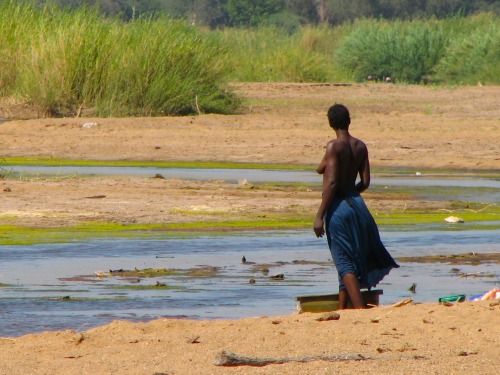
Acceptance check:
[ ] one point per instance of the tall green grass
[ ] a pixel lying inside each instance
(270, 54)
(63, 61)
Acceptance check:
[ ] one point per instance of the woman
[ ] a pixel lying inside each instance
(361, 259)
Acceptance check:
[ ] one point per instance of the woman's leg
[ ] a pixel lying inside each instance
(351, 292)
(343, 299)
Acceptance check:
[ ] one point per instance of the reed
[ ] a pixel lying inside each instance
(269, 54)
(63, 61)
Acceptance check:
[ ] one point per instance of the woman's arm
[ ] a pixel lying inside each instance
(330, 176)
(364, 174)
(322, 165)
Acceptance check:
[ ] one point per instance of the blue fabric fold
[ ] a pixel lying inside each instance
(355, 243)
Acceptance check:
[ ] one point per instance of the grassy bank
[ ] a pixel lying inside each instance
(79, 62)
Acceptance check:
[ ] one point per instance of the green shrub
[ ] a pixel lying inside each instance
(474, 55)
(404, 51)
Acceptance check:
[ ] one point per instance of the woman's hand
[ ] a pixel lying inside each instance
(319, 227)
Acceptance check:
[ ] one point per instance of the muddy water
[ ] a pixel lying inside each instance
(54, 287)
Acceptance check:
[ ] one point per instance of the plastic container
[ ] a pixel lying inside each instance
(456, 298)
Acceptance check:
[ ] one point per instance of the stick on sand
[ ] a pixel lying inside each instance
(231, 359)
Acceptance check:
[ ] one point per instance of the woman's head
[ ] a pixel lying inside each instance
(338, 117)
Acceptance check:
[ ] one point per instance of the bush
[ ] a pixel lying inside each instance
(474, 54)
(404, 51)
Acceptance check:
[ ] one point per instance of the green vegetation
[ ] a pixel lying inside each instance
(63, 62)
(52, 162)
(475, 216)
(286, 13)
(21, 235)
(271, 54)
(68, 61)
(406, 50)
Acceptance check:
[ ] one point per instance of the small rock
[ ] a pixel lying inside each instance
(7, 190)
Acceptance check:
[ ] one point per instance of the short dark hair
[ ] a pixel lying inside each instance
(338, 116)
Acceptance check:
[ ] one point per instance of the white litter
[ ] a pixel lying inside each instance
(89, 125)
(454, 219)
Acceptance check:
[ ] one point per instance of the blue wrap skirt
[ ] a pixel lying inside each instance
(354, 241)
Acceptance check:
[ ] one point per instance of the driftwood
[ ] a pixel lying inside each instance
(231, 359)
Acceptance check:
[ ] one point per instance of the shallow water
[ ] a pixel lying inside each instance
(38, 277)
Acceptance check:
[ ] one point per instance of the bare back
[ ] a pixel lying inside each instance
(345, 158)
(352, 155)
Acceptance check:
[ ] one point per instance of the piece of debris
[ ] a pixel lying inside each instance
(194, 340)
(251, 281)
(158, 175)
(454, 219)
(403, 302)
(89, 125)
(279, 276)
(7, 190)
(100, 196)
(413, 288)
(231, 359)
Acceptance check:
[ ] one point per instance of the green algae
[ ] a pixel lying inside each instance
(474, 215)
(21, 235)
(52, 162)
